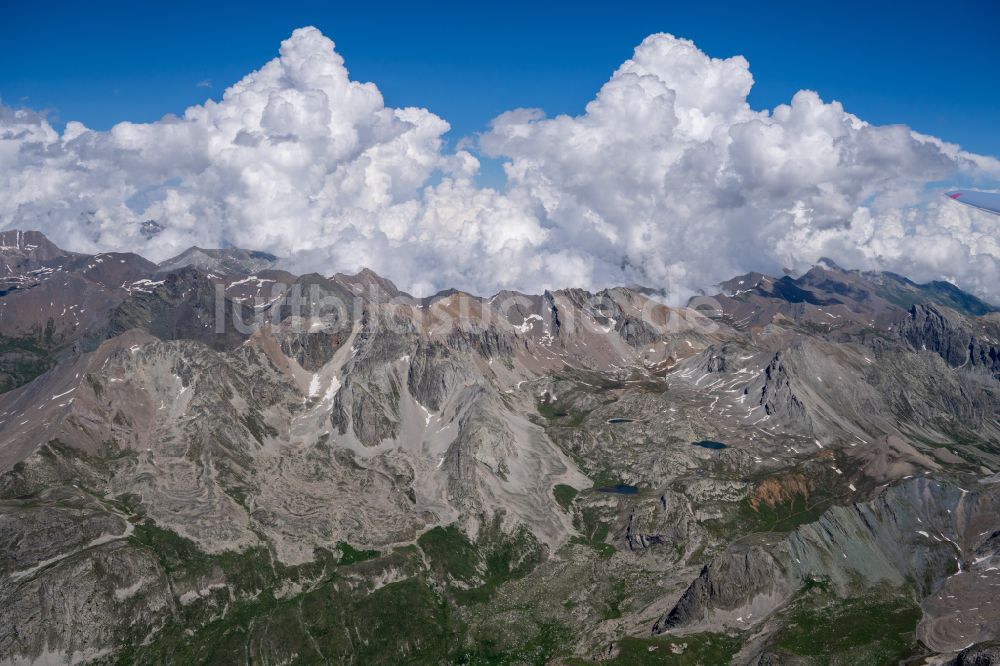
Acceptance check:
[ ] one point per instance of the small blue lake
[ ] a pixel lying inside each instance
(619, 489)
(620, 420)
(709, 444)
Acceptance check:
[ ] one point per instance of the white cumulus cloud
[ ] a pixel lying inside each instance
(667, 178)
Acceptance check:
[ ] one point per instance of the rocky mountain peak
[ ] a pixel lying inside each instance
(206, 451)
(223, 261)
(369, 285)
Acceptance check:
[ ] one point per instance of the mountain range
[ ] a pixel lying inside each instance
(212, 460)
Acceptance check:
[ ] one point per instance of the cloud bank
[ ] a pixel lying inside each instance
(668, 178)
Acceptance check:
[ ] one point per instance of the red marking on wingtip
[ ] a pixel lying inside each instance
(955, 195)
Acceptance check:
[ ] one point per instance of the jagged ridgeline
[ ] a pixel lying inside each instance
(212, 460)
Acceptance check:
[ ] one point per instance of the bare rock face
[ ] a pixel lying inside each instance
(434, 374)
(732, 586)
(663, 521)
(24, 251)
(985, 654)
(932, 328)
(69, 570)
(183, 306)
(316, 319)
(211, 460)
(777, 395)
(69, 604)
(918, 533)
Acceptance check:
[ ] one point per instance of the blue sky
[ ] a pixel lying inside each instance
(925, 65)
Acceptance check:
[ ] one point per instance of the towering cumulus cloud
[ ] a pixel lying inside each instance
(668, 178)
